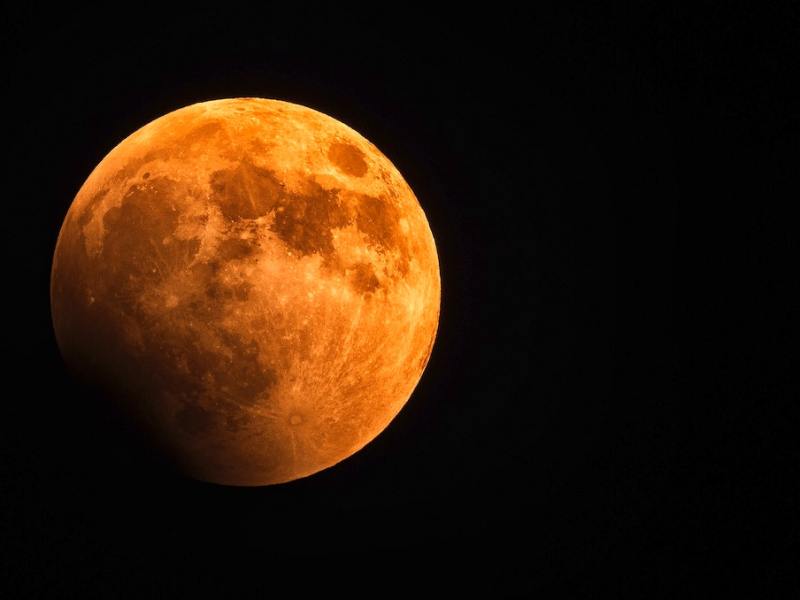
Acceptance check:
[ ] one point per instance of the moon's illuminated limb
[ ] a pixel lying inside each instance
(256, 280)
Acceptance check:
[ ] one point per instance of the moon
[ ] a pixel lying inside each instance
(254, 283)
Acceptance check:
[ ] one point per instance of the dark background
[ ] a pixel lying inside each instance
(598, 183)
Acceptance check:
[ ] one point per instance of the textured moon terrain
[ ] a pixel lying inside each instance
(254, 283)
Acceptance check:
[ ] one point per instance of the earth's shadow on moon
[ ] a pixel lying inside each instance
(115, 471)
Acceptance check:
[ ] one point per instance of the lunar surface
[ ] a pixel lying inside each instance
(254, 283)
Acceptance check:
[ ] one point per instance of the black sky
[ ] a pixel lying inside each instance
(583, 172)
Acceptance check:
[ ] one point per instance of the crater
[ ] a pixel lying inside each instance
(348, 159)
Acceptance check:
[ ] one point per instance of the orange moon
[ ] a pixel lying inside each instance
(254, 283)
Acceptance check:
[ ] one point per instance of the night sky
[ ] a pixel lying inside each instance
(583, 425)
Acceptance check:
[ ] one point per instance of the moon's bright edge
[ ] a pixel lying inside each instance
(254, 282)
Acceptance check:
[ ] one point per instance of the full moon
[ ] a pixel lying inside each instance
(254, 283)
